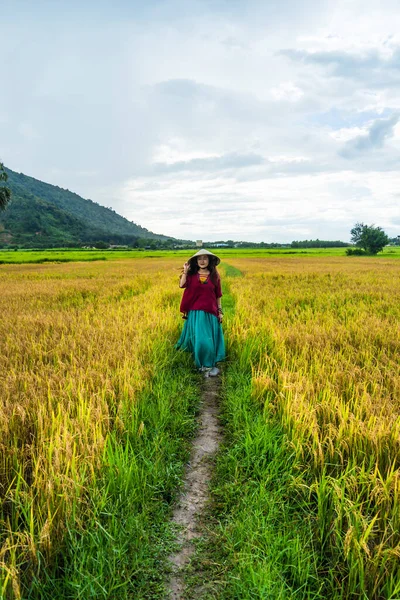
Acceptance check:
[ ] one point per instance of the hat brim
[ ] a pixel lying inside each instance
(204, 252)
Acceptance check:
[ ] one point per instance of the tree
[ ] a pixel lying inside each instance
(5, 193)
(368, 237)
(101, 245)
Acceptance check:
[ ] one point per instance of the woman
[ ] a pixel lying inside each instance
(201, 304)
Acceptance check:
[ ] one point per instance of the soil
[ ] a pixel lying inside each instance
(191, 504)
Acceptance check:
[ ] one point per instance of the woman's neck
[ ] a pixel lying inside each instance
(203, 270)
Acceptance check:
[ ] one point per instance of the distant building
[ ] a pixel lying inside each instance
(199, 243)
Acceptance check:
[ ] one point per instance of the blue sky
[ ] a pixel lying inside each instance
(246, 120)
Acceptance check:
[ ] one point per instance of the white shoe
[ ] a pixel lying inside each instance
(214, 371)
(205, 371)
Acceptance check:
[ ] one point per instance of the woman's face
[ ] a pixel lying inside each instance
(203, 261)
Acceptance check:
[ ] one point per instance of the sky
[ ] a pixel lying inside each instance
(247, 120)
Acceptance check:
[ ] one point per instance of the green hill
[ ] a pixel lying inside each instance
(40, 214)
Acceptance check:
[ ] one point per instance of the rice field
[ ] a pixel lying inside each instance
(80, 346)
(305, 502)
(309, 479)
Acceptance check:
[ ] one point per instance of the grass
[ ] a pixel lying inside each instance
(260, 539)
(119, 545)
(58, 255)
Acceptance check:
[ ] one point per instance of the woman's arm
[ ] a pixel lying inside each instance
(183, 277)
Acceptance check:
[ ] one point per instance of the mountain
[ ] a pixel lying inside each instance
(41, 214)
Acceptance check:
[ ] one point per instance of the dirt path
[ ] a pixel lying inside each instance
(195, 491)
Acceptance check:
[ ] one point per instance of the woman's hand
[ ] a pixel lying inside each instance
(186, 268)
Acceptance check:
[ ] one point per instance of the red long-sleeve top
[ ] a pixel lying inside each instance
(201, 296)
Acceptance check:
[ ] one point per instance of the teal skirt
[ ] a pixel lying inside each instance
(202, 335)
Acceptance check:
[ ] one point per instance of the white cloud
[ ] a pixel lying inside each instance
(348, 133)
(276, 207)
(176, 150)
(242, 119)
(375, 137)
(287, 91)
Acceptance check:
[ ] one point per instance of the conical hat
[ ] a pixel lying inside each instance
(202, 252)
